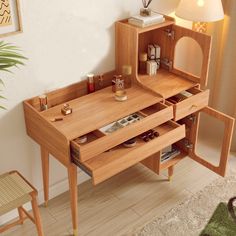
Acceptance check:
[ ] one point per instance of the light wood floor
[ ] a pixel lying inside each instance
(125, 202)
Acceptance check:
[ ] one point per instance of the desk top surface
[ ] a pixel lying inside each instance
(93, 111)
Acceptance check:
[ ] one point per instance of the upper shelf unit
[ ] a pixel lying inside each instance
(132, 40)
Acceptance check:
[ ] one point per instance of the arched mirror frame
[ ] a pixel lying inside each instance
(204, 42)
(188, 56)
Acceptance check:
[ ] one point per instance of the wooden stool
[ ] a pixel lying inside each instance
(15, 191)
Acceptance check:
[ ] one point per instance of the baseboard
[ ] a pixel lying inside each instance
(54, 190)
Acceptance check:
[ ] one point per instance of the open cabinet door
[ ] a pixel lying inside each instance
(203, 43)
(227, 137)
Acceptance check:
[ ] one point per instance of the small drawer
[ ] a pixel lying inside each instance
(188, 105)
(99, 142)
(119, 158)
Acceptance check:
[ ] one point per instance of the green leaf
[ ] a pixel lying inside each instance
(1, 82)
(6, 70)
(8, 54)
(7, 60)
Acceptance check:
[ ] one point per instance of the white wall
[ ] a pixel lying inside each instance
(63, 41)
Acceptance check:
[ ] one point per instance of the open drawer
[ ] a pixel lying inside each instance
(120, 158)
(189, 102)
(99, 141)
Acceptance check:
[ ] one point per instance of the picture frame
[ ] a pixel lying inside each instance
(10, 18)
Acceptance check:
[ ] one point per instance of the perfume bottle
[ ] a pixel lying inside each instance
(43, 101)
(120, 93)
(90, 83)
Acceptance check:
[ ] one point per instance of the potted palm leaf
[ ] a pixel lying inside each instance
(10, 56)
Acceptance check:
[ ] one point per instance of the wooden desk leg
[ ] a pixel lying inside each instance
(45, 169)
(72, 176)
(170, 172)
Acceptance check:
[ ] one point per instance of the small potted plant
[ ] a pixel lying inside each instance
(145, 11)
(10, 56)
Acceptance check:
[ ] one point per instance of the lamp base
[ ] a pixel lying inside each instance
(200, 27)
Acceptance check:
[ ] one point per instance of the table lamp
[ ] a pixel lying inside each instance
(200, 12)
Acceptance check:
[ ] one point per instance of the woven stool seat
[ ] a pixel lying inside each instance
(15, 191)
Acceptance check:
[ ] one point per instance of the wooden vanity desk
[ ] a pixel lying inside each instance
(103, 155)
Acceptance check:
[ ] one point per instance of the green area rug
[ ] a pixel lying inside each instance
(200, 213)
(221, 223)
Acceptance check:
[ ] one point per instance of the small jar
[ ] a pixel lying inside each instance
(66, 109)
(90, 83)
(142, 63)
(126, 73)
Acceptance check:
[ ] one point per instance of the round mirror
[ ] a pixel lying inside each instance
(188, 56)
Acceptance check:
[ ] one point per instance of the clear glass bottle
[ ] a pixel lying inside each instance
(43, 101)
(120, 93)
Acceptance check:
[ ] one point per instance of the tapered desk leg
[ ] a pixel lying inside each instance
(72, 175)
(45, 169)
(170, 172)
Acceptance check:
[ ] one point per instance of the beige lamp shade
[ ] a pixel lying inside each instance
(200, 10)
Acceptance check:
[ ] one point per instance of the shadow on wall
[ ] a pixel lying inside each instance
(107, 63)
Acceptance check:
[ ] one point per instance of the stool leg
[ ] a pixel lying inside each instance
(21, 215)
(37, 216)
(45, 169)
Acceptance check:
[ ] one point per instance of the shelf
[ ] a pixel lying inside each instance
(140, 30)
(172, 161)
(165, 83)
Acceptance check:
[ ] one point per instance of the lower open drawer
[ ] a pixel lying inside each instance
(119, 158)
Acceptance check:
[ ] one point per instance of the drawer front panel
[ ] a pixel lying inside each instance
(109, 141)
(102, 169)
(191, 104)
